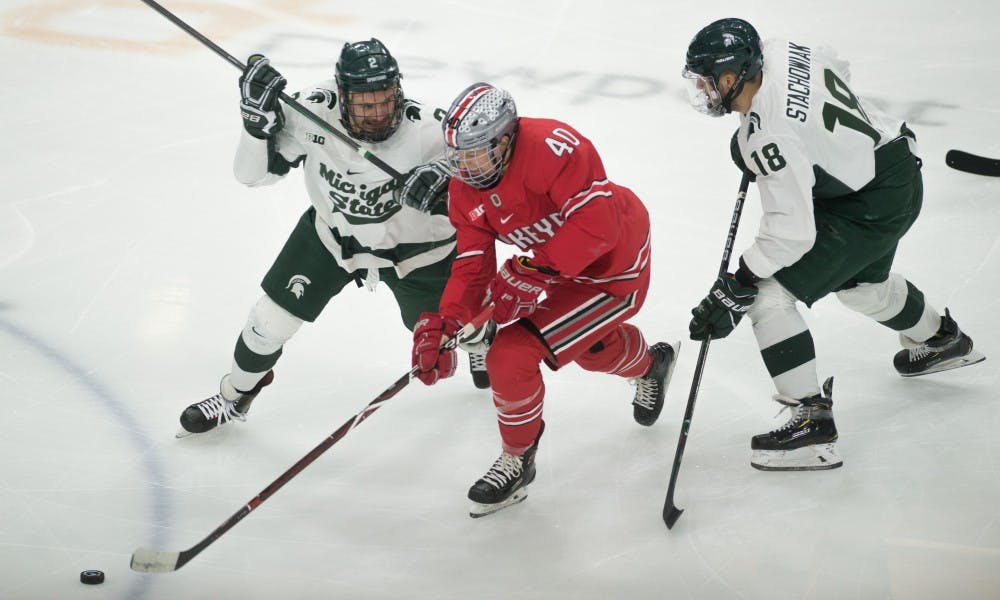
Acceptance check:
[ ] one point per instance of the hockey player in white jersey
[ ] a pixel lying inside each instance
(839, 184)
(362, 227)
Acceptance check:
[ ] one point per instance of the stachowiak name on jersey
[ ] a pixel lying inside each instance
(358, 219)
(807, 135)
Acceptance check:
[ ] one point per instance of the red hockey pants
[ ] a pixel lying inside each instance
(575, 323)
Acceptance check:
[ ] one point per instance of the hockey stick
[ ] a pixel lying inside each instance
(970, 163)
(670, 511)
(305, 112)
(156, 561)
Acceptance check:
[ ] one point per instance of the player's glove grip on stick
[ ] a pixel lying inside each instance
(260, 88)
(516, 288)
(432, 361)
(722, 309)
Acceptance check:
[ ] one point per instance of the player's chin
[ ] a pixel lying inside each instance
(375, 126)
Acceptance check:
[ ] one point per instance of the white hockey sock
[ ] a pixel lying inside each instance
(784, 339)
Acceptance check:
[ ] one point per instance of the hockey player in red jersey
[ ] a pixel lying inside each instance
(539, 185)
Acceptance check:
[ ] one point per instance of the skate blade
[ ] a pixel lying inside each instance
(183, 433)
(973, 357)
(810, 458)
(481, 510)
(670, 370)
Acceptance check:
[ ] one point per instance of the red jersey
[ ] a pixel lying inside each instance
(554, 201)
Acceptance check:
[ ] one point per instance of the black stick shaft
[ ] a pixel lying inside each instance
(288, 100)
(295, 469)
(670, 511)
(185, 556)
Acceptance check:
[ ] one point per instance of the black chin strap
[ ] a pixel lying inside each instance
(735, 90)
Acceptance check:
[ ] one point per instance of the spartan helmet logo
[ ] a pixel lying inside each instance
(297, 285)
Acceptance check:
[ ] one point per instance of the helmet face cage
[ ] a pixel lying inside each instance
(371, 98)
(476, 123)
(726, 45)
(703, 93)
(372, 116)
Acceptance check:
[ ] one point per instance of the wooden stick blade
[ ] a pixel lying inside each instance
(153, 561)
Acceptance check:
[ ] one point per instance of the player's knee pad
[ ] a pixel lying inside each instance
(880, 301)
(268, 327)
(515, 351)
(772, 299)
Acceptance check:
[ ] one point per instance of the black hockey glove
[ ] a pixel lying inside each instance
(424, 186)
(260, 87)
(721, 310)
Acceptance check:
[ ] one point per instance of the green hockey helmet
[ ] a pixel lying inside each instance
(726, 45)
(371, 98)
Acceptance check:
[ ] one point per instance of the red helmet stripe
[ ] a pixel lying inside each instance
(459, 113)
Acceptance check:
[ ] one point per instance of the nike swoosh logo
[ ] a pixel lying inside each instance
(503, 220)
(350, 172)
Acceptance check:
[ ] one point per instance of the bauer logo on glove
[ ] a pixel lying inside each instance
(516, 289)
(728, 302)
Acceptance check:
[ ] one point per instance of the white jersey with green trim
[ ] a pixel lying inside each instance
(358, 220)
(806, 135)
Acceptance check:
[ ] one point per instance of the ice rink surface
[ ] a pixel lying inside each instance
(129, 258)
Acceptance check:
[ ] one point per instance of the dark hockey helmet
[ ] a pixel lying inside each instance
(371, 98)
(727, 45)
(475, 128)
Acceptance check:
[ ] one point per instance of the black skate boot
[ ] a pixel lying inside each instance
(227, 405)
(949, 348)
(477, 366)
(506, 483)
(805, 443)
(652, 387)
(476, 345)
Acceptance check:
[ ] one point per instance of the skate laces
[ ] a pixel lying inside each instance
(505, 469)
(646, 391)
(220, 409)
(801, 413)
(477, 362)
(921, 351)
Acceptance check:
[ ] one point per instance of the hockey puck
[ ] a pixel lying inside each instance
(92, 577)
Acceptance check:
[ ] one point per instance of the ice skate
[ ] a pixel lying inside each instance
(505, 484)
(477, 367)
(948, 348)
(477, 345)
(805, 443)
(228, 405)
(652, 387)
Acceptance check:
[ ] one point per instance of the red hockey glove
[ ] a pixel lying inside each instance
(432, 361)
(516, 288)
